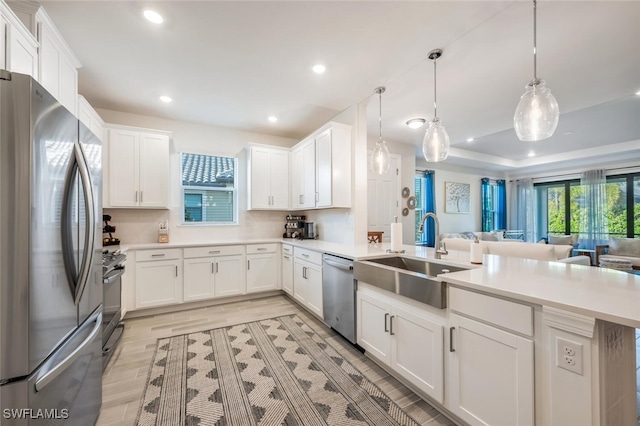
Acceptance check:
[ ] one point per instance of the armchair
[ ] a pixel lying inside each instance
(620, 248)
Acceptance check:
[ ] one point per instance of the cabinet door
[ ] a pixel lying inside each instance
(199, 278)
(490, 375)
(373, 327)
(154, 170)
(323, 169)
(68, 85)
(23, 52)
(287, 273)
(300, 283)
(297, 178)
(3, 43)
(260, 178)
(49, 61)
(417, 349)
(158, 283)
(309, 174)
(229, 276)
(314, 291)
(262, 272)
(279, 173)
(123, 168)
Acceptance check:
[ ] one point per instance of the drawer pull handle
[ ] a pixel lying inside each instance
(176, 270)
(286, 257)
(305, 254)
(451, 339)
(214, 251)
(386, 328)
(158, 255)
(391, 333)
(261, 248)
(248, 265)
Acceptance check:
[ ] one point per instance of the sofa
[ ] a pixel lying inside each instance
(620, 248)
(513, 248)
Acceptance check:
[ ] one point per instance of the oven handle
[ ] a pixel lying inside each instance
(113, 275)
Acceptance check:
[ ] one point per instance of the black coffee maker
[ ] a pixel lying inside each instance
(309, 231)
(108, 229)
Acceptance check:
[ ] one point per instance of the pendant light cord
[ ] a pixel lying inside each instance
(535, 70)
(380, 115)
(435, 103)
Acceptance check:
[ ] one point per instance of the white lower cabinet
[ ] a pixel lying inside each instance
(158, 278)
(490, 375)
(215, 271)
(287, 269)
(408, 341)
(262, 268)
(307, 280)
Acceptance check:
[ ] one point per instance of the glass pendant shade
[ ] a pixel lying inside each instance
(435, 145)
(537, 114)
(379, 161)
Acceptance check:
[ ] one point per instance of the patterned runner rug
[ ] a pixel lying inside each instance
(272, 372)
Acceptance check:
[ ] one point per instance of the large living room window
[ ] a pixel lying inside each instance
(209, 193)
(562, 205)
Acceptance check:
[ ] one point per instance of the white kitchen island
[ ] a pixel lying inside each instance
(525, 342)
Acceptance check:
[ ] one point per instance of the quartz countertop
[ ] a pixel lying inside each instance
(601, 293)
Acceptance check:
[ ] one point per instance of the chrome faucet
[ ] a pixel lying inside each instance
(439, 250)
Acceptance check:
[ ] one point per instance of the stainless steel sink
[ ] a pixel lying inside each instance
(412, 278)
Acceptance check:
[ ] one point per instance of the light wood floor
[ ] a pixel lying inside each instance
(126, 374)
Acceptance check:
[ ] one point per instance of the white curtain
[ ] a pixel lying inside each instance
(523, 209)
(593, 220)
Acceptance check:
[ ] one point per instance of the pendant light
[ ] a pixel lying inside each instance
(435, 145)
(537, 114)
(379, 161)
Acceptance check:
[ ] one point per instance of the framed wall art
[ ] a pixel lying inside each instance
(456, 197)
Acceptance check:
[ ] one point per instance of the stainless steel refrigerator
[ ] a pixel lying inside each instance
(50, 260)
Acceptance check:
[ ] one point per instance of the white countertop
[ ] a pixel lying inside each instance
(601, 293)
(597, 292)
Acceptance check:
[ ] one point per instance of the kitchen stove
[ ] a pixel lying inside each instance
(112, 328)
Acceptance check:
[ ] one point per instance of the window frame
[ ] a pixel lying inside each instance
(202, 190)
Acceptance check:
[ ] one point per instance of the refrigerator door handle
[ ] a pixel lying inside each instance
(89, 203)
(60, 367)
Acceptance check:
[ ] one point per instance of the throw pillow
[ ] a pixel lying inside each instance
(625, 246)
(561, 239)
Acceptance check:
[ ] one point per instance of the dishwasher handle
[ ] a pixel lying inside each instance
(346, 267)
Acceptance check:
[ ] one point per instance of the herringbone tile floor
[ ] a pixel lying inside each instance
(126, 374)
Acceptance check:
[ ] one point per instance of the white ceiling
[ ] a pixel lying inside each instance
(234, 63)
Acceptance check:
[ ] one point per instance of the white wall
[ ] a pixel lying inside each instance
(458, 222)
(140, 226)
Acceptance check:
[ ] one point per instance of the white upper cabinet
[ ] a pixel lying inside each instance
(18, 47)
(138, 168)
(268, 178)
(303, 179)
(321, 169)
(57, 65)
(89, 116)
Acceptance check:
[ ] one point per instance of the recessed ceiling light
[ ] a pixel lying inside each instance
(166, 99)
(638, 93)
(273, 118)
(416, 123)
(531, 154)
(319, 68)
(153, 16)
(470, 139)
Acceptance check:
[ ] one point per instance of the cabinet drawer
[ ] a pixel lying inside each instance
(159, 254)
(287, 249)
(308, 255)
(210, 251)
(262, 248)
(503, 313)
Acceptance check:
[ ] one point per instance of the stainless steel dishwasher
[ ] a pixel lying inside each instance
(339, 295)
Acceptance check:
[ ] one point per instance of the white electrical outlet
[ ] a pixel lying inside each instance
(569, 355)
